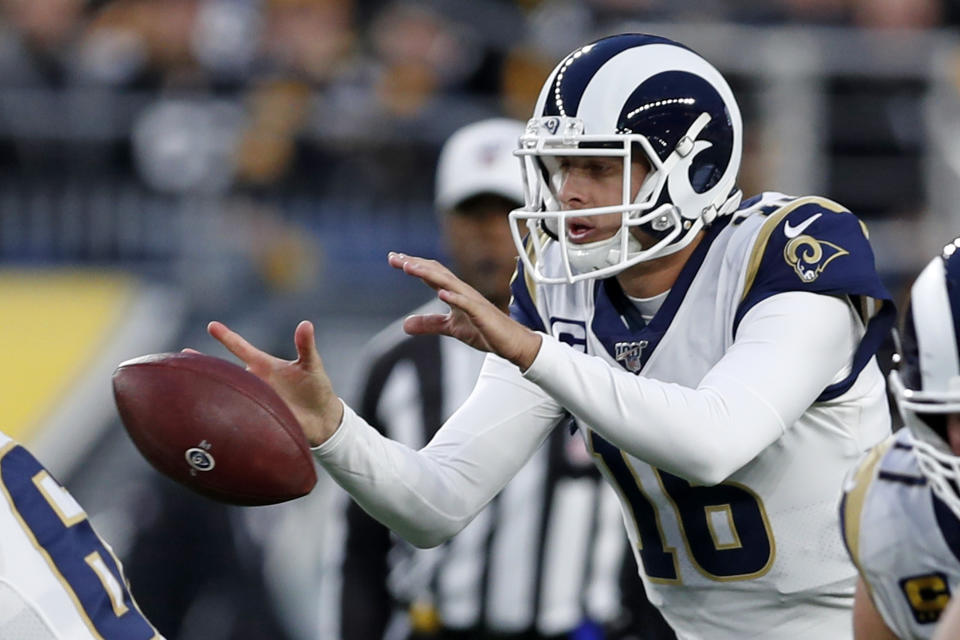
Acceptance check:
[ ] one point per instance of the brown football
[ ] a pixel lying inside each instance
(214, 427)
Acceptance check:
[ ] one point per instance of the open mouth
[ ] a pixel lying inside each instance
(579, 230)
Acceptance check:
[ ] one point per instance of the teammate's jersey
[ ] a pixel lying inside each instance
(905, 540)
(759, 555)
(58, 579)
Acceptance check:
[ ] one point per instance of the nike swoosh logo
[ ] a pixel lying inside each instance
(792, 232)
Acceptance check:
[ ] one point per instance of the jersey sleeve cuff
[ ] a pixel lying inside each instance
(548, 357)
(328, 447)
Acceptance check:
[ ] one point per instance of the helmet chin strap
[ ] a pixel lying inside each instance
(591, 256)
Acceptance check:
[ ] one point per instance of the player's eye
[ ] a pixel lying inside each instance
(599, 167)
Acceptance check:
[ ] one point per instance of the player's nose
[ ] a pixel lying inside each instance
(574, 192)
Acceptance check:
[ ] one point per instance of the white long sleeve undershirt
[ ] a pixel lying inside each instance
(788, 349)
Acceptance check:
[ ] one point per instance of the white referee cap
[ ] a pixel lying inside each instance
(479, 159)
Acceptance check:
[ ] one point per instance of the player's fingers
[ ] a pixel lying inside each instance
(473, 306)
(425, 324)
(305, 341)
(235, 343)
(433, 274)
(460, 301)
(189, 350)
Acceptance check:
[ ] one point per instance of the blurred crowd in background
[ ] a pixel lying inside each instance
(258, 158)
(128, 126)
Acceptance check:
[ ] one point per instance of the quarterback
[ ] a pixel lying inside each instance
(58, 579)
(901, 509)
(716, 354)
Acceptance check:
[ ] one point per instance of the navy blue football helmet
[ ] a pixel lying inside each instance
(927, 385)
(618, 96)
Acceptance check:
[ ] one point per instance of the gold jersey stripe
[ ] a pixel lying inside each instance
(770, 224)
(527, 278)
(856, 496)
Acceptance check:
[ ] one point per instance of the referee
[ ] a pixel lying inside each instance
(548, 557)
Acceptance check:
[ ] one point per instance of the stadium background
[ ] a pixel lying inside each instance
(168, 162)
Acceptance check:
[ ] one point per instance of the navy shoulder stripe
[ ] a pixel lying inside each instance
(902, 478)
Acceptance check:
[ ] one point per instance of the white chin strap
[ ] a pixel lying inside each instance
(594, 256)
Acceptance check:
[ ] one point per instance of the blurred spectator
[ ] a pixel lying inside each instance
(308, 39)
(225, 37)
(187, 146)
(418, 52)
(897, 14)
(276, 113)
(142, 43)
(37, 40)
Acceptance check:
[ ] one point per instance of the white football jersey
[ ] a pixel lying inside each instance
(905, 540)
(759, 555)
(58, 579)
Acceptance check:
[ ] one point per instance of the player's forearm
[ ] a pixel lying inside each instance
(763, 384)
(406, 492)
(428, 496)
(688, 432)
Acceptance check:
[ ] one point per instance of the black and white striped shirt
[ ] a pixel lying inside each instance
(546, 556)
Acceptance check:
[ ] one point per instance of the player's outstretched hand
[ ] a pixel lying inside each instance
(473, 319)
(302, 383)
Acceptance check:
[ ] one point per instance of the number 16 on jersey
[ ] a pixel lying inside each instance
(725, 529)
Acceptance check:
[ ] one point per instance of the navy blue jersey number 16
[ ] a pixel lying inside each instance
(747, 549)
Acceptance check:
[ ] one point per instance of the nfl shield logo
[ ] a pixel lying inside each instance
(628, 354)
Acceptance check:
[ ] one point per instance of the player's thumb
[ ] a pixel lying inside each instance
(306, 344)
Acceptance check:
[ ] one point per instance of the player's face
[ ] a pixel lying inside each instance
(479, 240)
(596, 181)
(953, 433)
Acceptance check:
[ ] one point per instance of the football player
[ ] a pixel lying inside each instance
(717, 354)
(58, 579)
(901, 509)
